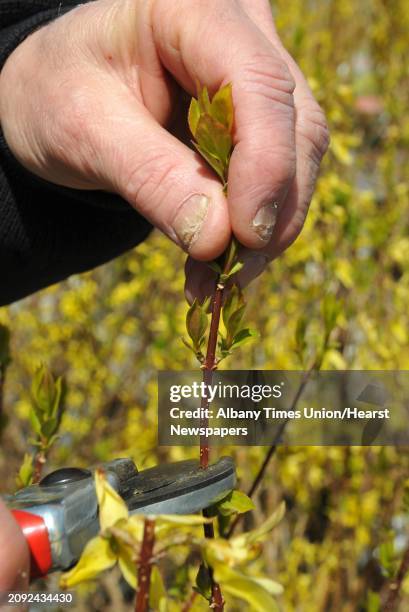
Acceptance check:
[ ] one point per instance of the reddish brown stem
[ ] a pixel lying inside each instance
(209, 366)
(38, 464)
(145, 566)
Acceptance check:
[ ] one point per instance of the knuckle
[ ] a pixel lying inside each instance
(313, 127)
(269, 77)
(149, 179)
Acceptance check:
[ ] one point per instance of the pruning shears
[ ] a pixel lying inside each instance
(59, 515)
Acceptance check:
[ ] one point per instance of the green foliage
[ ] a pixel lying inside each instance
(196, 326)
(387, 556)
(47, 407)
(26, 472)
(232, 313)
(120, 538)
(235, 502)
(211, 124)
(203, 584)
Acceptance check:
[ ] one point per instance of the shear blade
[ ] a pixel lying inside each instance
(180, 488)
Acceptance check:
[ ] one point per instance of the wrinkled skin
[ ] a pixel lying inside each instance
(111, 76)
(93, 100)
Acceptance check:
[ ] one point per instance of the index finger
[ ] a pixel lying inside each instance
(220, 45)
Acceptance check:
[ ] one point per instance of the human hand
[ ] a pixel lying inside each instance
(14, 556)
(85, 100)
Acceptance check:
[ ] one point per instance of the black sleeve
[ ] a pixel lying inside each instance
(49, 232)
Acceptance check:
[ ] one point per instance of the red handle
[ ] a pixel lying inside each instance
(36, 534)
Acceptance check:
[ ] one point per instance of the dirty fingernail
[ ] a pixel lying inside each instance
(265, 220)
(190, 218)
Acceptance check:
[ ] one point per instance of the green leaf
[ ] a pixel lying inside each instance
(231, 253)
(244, 587)
(60, 391)
(49, 427)
(273, 587)
(387, 556)
(222, 107)
(373, 602)
(25, 474)
(213, 265)
(43, 392)
(236, 502)
(96, 557)
(34, 421)
(203, 582)
(127, 563)
(206, 303)
(203, 100)
(331, 309)
(244, 336)
(300, 333)
(234, 322)
(211, 125)
(194, 115)
(188, 345)
(236, 268)
(169, 521)
(234, 301)
(213, 161)
(157, 592)
(196, 323)
(273, 520)
(213, 137)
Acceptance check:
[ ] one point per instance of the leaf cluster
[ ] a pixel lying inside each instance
(236, 334)
(121, 535)
(47, 407)
(211, 123)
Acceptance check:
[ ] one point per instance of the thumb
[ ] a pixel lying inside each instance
(161, 178)
(14, 557)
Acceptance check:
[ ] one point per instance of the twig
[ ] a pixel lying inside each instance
(145, 566)
(217, 602)
(38, 464)
(272, 449)
(209, 366)
(395, 585)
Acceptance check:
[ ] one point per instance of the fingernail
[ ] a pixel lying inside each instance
(265, 220)
(190, 217)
